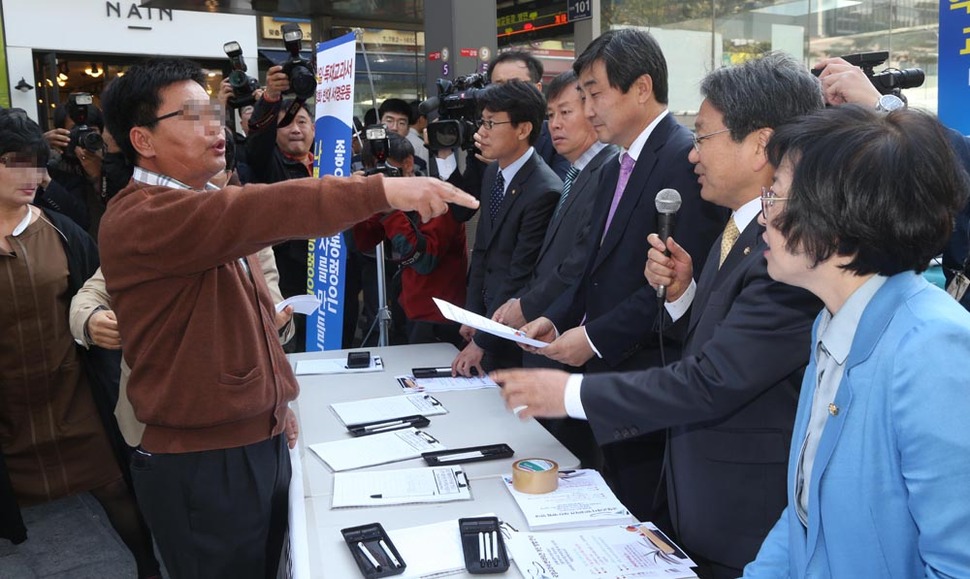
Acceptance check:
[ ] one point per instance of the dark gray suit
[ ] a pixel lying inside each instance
(729, 403)
(565, 251)
(505, 249)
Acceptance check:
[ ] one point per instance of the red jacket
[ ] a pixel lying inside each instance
(433, 255)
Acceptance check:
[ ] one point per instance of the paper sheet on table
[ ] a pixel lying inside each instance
(411, 384)
(398, 487)
(335, 366)
(638, 550)
(376, 449)
(463, 316)
(387, 408)
(444, 559)
(583, 499)
(302, 304)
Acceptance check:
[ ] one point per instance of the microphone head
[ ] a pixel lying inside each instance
(429, 105)
(668, 201)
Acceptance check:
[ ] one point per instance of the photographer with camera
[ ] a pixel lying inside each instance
(431, 257)
(278, 152)
(396, 115)
(845, 83)
(88, 170)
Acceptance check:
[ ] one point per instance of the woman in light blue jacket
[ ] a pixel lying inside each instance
(879, 469)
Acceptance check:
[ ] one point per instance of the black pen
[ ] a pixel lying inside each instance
(439, 372)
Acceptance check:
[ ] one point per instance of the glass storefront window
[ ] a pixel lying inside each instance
(700, 35)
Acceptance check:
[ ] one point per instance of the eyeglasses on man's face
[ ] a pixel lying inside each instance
(490, 124)
(196, 111)
(698, 139)
(768, 200)
(390, 122)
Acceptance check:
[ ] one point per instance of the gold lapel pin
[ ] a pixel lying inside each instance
(747, 250)
(833, 410)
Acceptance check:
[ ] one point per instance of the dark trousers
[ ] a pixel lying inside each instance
(217, 513)
(420, 332)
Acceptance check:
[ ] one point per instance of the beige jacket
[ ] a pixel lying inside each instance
(93, 295)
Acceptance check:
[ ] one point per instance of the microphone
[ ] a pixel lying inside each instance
(429, 105)
(668, 203)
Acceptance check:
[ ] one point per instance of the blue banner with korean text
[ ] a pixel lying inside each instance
(953, 106)
(328, 257)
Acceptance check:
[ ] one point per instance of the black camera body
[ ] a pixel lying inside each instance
(303, 83)
(889, 81)
(458, 111)
(82, 135)
(378, 145)
(242, 84)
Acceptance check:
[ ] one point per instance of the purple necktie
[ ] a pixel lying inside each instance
(626, 167)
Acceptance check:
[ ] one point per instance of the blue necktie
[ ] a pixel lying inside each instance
(567, 184)
(498, 193)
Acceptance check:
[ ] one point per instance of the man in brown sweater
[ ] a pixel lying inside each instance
(209, 378)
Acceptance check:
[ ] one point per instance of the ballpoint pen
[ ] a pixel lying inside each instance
(390, 555)
(370, 557)
(385, 425)
(495, 548)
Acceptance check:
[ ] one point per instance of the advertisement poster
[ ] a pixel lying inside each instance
(332, 156)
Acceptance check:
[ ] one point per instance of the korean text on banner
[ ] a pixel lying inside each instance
(327, 264)
(954, 93)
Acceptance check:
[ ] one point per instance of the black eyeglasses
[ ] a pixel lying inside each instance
(768, 200)
(698, 139)
(490, 124)
(196, 111)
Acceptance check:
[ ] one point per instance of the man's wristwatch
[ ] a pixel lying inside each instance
(889, 102)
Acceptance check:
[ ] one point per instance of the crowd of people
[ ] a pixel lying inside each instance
(773, 383)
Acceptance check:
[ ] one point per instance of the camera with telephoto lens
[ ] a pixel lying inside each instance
(889, 81)
(82, 135)
(458, 112)
(303, 83)
(242, 84)
(378, 145)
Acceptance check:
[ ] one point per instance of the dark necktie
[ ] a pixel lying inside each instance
(498, 193)
(567, 184)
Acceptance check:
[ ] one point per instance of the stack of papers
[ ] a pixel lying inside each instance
(639, 550)
(446, 384)
(387, 408)
(397, 487)
(376, 449)
(583, 499)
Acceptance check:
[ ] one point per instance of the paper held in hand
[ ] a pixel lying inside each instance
(463, 316)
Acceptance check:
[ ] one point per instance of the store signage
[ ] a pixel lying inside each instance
(132, 11)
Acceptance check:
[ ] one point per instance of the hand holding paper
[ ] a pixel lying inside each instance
(302, 304)
(463, 316)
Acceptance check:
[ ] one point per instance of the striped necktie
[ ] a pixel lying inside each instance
(498, 194)
(567, 184)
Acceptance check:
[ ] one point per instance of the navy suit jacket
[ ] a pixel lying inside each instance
(565, 248)
(619, 305)
(729, 403)
(505, 249)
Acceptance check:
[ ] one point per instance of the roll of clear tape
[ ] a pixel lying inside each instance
(535, 475)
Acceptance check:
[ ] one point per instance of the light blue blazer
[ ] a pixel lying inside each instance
(890, 487)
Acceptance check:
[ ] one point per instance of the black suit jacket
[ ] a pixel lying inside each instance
(505, 249)
(543, 146)
(565, 247)
(620, 307)
(729, 403)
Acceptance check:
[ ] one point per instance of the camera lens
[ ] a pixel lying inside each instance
(92, 141)
(302, 82)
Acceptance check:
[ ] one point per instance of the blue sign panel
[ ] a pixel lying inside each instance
(954, 96)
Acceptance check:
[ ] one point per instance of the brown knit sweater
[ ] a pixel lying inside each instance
(198, 330)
